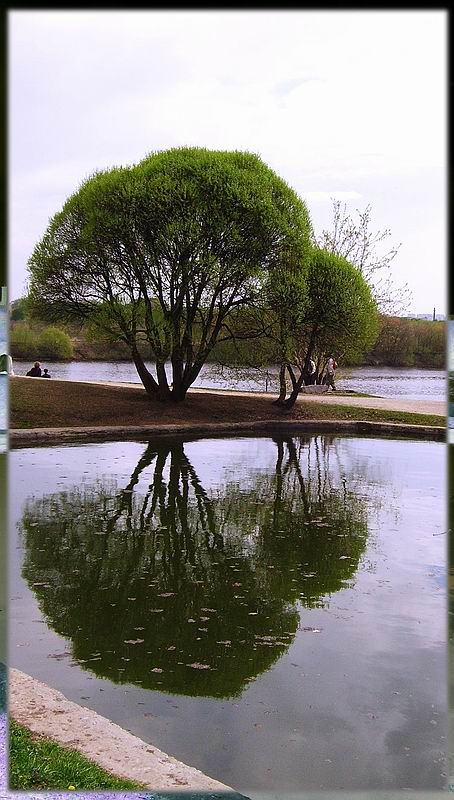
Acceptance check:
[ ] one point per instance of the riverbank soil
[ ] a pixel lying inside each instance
(36, 403)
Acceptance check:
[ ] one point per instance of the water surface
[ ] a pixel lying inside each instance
(269, 610)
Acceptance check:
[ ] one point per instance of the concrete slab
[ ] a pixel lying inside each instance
(47, 712)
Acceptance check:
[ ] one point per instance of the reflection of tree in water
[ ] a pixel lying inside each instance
(147, 583)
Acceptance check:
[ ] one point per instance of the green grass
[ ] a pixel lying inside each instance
(332, 411)
(40, 763)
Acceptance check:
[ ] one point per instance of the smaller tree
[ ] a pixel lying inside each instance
(340, 316)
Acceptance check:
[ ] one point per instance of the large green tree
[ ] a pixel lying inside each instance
(168, 252)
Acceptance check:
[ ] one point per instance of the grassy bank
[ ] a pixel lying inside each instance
(40, 763)
(53, 404)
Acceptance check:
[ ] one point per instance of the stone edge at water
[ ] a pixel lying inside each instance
(31, 436)
(47, 712)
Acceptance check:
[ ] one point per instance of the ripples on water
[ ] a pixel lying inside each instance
(271, 611)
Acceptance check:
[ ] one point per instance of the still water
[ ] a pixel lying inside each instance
(404, 383)
(269, 610)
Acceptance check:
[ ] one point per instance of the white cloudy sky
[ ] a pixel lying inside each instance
(348, 104)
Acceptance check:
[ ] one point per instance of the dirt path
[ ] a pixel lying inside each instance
(333, 398)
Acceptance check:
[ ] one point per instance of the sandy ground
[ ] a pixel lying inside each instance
(47, 712)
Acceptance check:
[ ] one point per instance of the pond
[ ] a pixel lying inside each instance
(270, 610)
(403, 383)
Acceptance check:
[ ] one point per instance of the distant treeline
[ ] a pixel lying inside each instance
(406, 342)
(402, 342)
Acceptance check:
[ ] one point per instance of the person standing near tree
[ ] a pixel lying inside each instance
(312, 371)
(330, 372)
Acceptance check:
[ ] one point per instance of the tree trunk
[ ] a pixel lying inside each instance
(178, 390)
(292, 375)
(283, 387)
(290, 402)
(150, 385)
(164, 393)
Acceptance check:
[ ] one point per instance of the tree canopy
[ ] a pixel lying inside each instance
(167, 252)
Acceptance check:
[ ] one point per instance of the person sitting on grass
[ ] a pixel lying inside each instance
(45, 374)
(35, 371)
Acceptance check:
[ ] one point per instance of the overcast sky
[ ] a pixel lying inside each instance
(348, 104)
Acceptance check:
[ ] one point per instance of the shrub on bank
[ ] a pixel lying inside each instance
(23, 341)
(31, 343)
(54, 343)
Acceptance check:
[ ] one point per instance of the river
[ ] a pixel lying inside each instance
(402, 383)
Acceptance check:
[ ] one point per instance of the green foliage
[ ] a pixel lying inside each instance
(29, 342)
(341, 316)
(40, 763)
(23, 341)
(167, 249)
(287, 297)
(19, 309)
(410, 343)
(54, 343)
